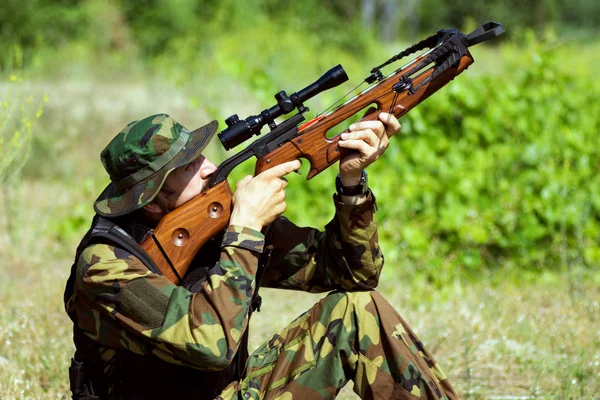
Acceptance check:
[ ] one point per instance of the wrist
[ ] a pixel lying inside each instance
(248, 222)
(350, 178)
(359, 188)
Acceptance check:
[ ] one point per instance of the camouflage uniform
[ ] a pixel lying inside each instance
(351, 334)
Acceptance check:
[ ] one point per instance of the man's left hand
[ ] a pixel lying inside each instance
(370, 140)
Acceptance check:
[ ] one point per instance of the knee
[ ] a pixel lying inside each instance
(356, 311)
(349, 297)
(366, 303)
(341, 302)
(359, 298)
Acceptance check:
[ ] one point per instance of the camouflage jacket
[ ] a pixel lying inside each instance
(120, 304)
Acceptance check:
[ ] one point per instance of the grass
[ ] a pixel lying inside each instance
(493, 341)
(495, 338)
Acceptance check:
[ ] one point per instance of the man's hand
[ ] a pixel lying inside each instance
(369, 139)
(259, 200)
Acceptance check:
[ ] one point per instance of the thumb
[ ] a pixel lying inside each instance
(243, 182)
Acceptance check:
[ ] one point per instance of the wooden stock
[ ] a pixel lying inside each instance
(182, 232)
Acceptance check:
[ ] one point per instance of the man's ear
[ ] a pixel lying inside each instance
(153, 208)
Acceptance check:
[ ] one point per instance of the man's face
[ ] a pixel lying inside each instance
(188, 181)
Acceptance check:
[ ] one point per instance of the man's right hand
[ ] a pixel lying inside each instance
(259, 200)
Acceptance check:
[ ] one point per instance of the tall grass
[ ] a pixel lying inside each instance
(19, 112)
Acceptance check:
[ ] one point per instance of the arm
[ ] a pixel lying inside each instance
(121, 304)
(345, 256)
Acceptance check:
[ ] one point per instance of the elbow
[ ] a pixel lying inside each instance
(211, 361)
(363, 275)
(372, 281)
(365, 281)
(225, 351)
(222, 362)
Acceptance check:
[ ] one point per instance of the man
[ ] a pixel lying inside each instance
(139, 336)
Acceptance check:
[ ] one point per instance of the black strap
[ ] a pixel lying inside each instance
(104, 229)
(80, 384)
(485, 32)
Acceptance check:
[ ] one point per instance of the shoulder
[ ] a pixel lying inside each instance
(101, 262)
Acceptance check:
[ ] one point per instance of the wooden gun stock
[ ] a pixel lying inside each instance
(181, 233)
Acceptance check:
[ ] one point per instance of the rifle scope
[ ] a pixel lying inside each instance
(238, 131)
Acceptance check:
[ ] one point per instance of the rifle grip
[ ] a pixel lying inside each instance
(287, 152)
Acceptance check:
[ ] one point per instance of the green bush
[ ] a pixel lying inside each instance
(498, 171)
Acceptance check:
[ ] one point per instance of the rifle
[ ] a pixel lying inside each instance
(181, 233)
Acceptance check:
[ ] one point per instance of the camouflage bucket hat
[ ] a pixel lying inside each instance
(139, 159)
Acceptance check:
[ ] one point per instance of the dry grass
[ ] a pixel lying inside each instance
(497, 342)
(492, 342)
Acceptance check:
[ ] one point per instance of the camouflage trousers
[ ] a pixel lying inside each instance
(346, 336)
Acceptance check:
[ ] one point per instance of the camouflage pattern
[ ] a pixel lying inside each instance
(120, 304)
(354, 336)
(141, 156)
(346, 256)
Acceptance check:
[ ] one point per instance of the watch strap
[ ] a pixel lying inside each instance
(355, 190)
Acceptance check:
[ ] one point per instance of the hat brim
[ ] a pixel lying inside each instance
(114, 202)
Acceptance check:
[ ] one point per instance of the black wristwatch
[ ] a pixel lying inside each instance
(361, 188)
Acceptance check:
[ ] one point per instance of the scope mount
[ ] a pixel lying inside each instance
(238, 131)
(284, 102)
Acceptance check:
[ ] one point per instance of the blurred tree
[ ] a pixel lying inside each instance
(156, 22)
(368, 13)
(155, 26)
(32, 23)
(389, 21)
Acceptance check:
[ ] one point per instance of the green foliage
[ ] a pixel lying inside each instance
(155, 27)
(70, 223)
(497, 171)
(31, 24)
(157, 24)
(517, 16)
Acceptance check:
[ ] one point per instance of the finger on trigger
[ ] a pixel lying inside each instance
(285, 168)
